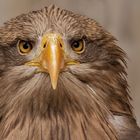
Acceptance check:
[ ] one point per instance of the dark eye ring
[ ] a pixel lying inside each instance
(24, 47)
(78, 46)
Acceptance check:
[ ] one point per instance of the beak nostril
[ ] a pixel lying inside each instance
(60, 45)
(44, 46)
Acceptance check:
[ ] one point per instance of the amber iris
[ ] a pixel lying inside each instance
(78, 46)
(24, 47)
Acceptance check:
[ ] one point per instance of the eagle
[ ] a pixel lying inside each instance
(63, 77)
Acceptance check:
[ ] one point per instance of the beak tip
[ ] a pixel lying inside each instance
(54, 80)
(54, 86)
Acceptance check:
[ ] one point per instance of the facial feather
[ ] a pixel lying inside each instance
(35, 91)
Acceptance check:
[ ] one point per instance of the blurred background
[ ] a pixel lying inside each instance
(120, 17)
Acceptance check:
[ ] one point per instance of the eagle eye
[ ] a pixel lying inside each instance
(24, 47)
(78, 46)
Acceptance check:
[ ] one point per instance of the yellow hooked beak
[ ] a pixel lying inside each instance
(51, 58)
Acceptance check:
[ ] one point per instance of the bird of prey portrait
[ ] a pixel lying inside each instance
(62, 77)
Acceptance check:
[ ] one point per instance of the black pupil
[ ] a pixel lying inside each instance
(76, 44)
(26, 45)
